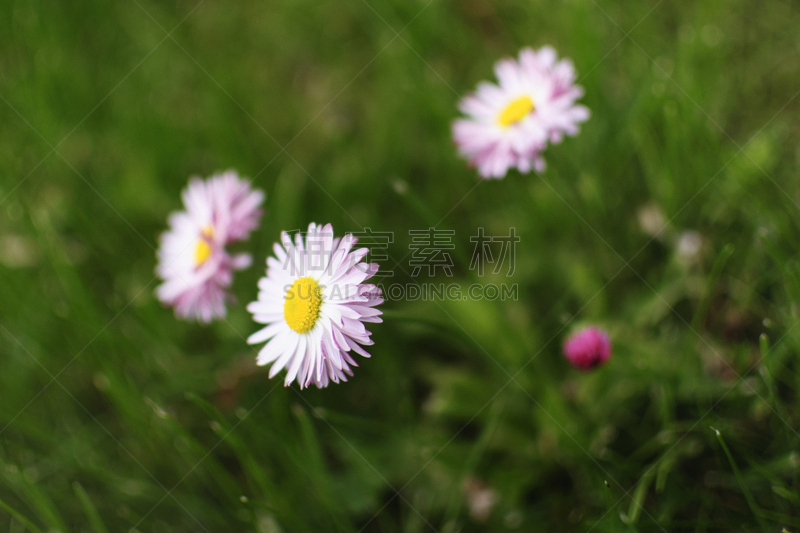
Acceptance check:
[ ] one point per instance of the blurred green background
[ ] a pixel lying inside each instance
(114, 415)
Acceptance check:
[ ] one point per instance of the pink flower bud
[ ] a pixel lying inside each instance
(587, 348)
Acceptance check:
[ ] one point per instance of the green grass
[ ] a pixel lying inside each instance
(114, 415)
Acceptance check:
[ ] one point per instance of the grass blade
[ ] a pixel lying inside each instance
(89, 508)
(751, 502)
(19, 516)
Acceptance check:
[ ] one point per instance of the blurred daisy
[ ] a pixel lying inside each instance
(689, 247)
(588, 348)
(192, 260)
(315, 303)
(509, 125)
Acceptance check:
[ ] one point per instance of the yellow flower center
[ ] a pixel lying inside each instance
(203, 249)
(301, 308)
(515, 111)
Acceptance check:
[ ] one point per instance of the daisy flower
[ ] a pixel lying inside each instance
(509, 125)
(314, 302)
(588, 348)
(192, 260)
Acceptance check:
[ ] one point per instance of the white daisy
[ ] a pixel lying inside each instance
(193, 260)
(509, 125)
(315, 303)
